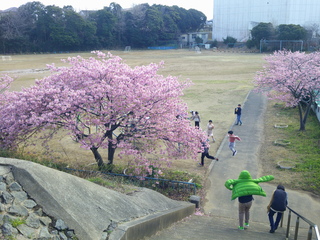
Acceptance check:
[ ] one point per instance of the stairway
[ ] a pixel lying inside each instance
(218, 228)
(214, 228)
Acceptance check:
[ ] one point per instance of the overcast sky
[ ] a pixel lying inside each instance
(205, 6)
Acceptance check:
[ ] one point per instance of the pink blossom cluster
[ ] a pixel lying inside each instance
(290, 77)
(104, 103)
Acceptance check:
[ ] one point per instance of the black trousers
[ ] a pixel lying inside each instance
(205, 155)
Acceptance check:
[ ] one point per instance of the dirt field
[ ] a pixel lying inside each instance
(221, 81)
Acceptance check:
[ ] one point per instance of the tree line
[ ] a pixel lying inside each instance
(34, 27)
(266, 31)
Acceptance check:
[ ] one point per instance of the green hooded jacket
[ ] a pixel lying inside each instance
(245, 185)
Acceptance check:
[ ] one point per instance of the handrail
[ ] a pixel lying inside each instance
(311, 226)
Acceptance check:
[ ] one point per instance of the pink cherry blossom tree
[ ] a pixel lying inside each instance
(104, 103)
(293, 78)
(5, 83)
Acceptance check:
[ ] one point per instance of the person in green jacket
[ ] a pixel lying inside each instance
(243, 188)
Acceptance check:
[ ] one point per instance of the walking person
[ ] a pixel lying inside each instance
(245, 203)
(210, 128)
(243, 188)
(238, 111)
(205, 153)
(196, 118)
(232, 144)
(278, 204)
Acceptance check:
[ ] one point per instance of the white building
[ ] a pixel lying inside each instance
(236, 18)
(189, 39)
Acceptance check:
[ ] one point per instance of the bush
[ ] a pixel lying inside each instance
(229, 41)
(213, 43)
(250, 44)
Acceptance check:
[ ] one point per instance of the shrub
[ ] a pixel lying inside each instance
(229, 41)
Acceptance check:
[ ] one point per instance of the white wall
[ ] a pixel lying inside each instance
(236, 18)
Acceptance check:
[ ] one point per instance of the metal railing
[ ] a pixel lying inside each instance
(149, 182)
(312, 227)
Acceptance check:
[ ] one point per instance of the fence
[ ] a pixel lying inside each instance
(272, 45)
(148, 182)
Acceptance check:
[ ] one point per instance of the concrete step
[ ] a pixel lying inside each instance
(219, 228)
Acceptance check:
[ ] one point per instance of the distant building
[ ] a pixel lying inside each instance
(189, 39)
(236, 18)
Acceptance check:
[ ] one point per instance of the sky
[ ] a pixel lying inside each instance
(205, 6)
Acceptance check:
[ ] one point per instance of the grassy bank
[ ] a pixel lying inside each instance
(300, 150)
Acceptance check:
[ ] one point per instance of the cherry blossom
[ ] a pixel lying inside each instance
(293, 78)
(104, 103)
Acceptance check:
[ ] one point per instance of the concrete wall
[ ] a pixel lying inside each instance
(150, 225)
(93, 211)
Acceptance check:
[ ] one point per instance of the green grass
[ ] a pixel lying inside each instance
(127, 185)
(17, 221)
(305, 147)
(36, 158)
(182, 176)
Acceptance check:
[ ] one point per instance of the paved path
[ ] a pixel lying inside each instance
(218, 197)
(221, 216)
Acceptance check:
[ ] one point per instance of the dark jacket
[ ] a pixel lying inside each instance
(245, 199)
(280, 199)
(237, 110)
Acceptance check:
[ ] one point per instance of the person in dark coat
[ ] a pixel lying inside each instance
(278, 204)
(238, 111)
(205, 153)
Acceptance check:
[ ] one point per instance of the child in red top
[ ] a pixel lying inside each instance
(232, 144)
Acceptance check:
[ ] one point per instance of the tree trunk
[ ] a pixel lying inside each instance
(303, 115)
(302, 123)
(97, 157)
(308, 108)
(111, 148)
(111, 151)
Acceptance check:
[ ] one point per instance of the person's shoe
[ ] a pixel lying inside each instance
(234, 153)
(241, 228)
(217, 159)
(200, 165)
(271, 231)
(246, 225)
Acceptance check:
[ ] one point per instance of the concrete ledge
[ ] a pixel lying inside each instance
(150, 225)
